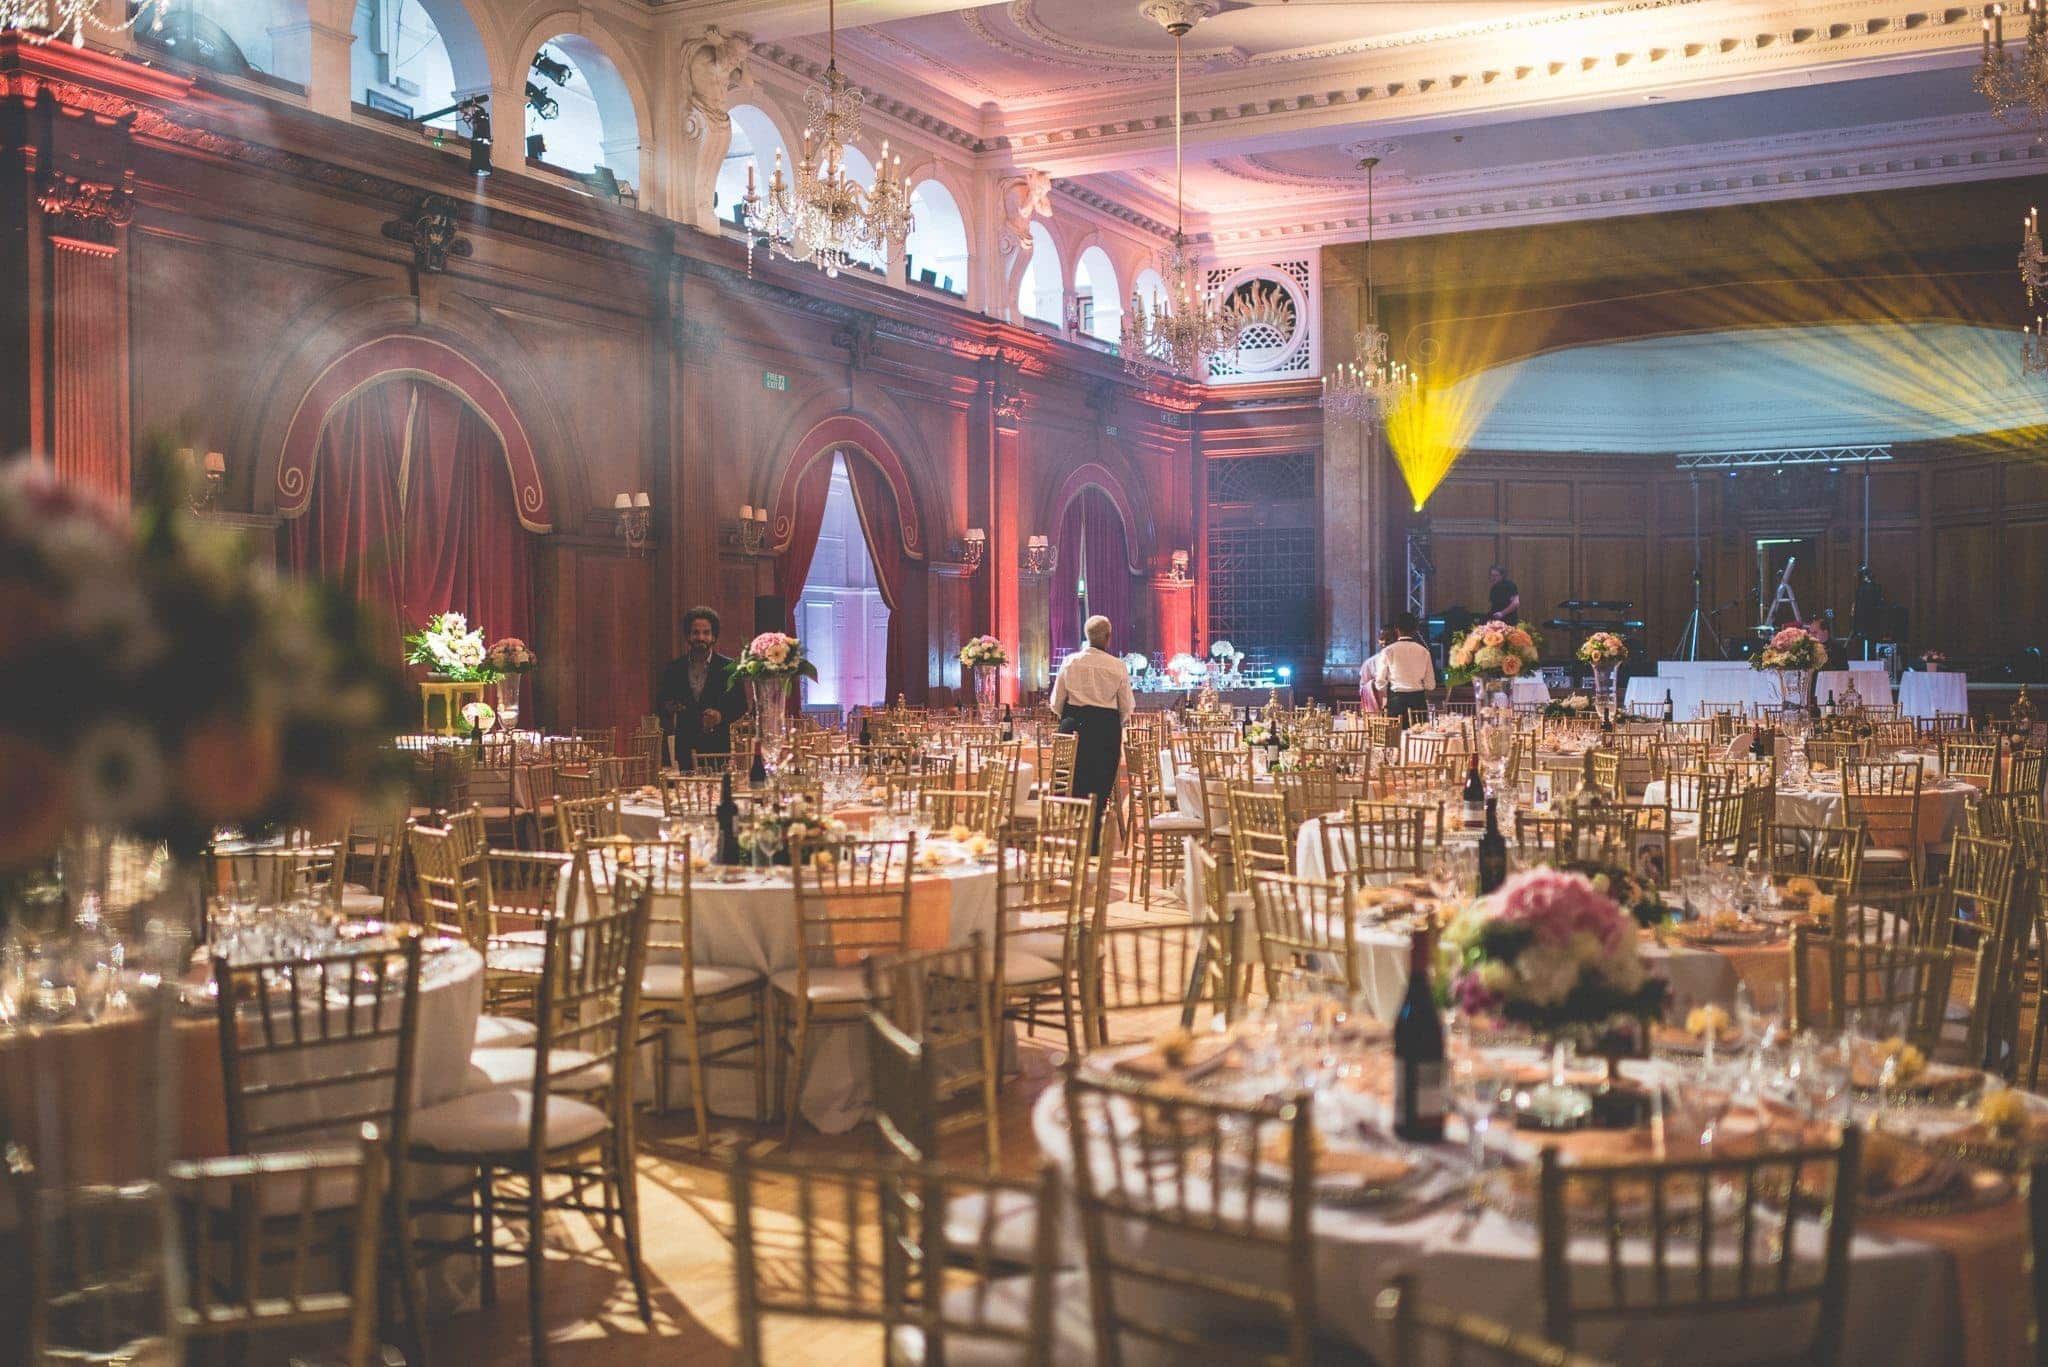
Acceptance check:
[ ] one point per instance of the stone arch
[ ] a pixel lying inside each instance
(845, 430)
(616, 83)
(1137, 533)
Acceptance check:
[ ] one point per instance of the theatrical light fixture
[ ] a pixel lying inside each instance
(1371, 383)
(53, 20)
(551, 68)
(1182, 327)
(473, 110)
(820, 214)
(543, 105)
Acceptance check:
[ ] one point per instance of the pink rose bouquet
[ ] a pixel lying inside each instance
(1553, 952)
(1794, 647)
(773, 653)
(984, 650)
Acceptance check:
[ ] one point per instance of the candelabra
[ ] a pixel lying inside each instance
(753, 529)
(971, 549)
(2015, 87)
(1040, 555)
(633, 521)
(68, 19)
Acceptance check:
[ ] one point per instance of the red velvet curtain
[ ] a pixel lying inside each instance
(1091, 527)
(413, 509)
(902, 580)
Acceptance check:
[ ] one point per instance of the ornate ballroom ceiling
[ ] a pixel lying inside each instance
(1514, 110)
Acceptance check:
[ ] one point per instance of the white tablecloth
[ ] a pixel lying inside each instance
(1311, 858)
(1873, 682)
(1942, 804)
(1902, 1294)
(1922, 694)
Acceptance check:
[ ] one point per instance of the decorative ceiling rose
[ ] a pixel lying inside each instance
(1368, 385)
(822, 215)
(1184, 326)
(53, 20)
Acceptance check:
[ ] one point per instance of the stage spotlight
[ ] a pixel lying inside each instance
(540, 102)
(550, 68)
(473, 110)
(536, 147)
(1285, 673)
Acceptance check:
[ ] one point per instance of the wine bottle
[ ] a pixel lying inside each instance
(1009, 724)
(1667, 705)
(1419, 1053)
(1493, 852)
(866, 738)
(757, 772)
(728, 818)
(1475, 795)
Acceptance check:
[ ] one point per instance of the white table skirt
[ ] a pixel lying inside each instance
(1873, 683)
(1922, 694)
(1902, 1309)
(1312, 857)
(1942, 805)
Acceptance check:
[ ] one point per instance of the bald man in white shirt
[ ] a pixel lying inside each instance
(1091, 698)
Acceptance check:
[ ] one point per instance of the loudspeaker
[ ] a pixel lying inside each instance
(770, 614)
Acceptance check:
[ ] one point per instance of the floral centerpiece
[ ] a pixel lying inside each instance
(1226, 659)
(1603, 648)
(1932, 661)
(1575, 707)
(163, 681)
(1797, 652)
(773, 654)
(1492, 652)
(1553, 952)
(792, 827)
(771, 664)
(986, 657)
(450, 647)
(1185, 670)
(1137, 663)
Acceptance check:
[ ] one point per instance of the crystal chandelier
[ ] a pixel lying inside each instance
(1183, 327)
(1371, 383)
(2034, 275)
(821, 214)
(48, 20)
(2016, 85)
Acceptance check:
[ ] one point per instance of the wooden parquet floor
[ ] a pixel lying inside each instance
(686, 1226)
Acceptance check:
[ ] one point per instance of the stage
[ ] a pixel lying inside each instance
(1694, 682)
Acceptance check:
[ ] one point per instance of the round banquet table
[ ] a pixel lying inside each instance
(750, 922)
(1942, 804)
(1312, 854)
(1922, 694)
(640, 816)
(1935, 1291)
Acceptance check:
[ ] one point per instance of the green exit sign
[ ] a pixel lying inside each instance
(771, 380)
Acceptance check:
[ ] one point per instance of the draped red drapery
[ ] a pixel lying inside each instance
(412, 509)
(901, 579)
(1091, 539)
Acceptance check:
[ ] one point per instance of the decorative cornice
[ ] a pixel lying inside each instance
(1102, 204)
(802, 64)
(86, 213)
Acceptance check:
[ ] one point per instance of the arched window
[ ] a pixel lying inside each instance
(937, 246)
(754, 144)
(233, 36)
(411, 56)
(1101, 307)
(594, 129)
(1150, 287)
(1040, 291)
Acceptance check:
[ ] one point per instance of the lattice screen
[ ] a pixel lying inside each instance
(1280, 342)
(1262, 586)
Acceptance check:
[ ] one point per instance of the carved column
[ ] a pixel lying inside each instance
(69, 188)
(1350, 486)
(1017, 609)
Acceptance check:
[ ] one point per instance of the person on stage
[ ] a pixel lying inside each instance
(1406, 672)
(1503, 599)
(1866, 615)
(698, 698)
(1369, 699)
(1092, 698)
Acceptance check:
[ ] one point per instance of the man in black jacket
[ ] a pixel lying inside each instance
(698, 699)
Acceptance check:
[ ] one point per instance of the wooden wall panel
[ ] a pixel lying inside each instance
(1538, 501)
(1461, 562)
(1464, 498)
(1542, 569)
(1610, 568)
(1966, 577)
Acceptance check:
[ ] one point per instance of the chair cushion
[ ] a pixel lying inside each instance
(664, 982)
(497, 1119)
(827, 984)
(1014, 1224)
(503, 958)
(569, 1070)
(1174, 823)
(1008, 1303)
(504, 1032)
(359, 903)
(1028, 968)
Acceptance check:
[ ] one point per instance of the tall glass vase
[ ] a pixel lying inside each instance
(771, 695)
(508, 701)
(1493, 695)
(985, 702)
(1603, 689)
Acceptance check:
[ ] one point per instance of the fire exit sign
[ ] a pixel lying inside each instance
(771, 380)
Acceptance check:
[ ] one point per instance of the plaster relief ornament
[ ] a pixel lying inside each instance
(1024, 197)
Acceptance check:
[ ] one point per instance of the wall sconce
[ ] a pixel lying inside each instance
(1040, 555)
(212, 471)
(753, 529)
(1177, 572)
(971, 549)
(633, 520)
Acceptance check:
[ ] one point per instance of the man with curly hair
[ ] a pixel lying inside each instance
(698, 698)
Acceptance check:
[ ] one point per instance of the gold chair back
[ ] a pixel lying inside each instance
(1308, 935)
(1260, 840)
(941, 1000)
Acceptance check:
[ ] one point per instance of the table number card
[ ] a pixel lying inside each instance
(1539, 790)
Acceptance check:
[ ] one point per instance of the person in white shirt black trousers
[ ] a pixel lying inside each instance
(1091, 698)
(1406, 672)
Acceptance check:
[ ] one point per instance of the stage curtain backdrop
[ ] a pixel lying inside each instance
(1091, 519)
(902, 580)
(412, 510)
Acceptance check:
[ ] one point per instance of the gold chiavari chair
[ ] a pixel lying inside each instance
(574, 783)
(581, 751)
(1375, 839)
(269, 1276)
(1421, 1333)
(1041, 887)
(1412, 782)
(1607, 774)
(1142, 1188)
(1159, 829)
(572, 1117)
(1225, 973)
(1259, 837)
(278, 874)
(518, 891)
(312, 1050)
(690, 795)
(2030, 835)
(1830, 855)
(1542, 837)
(1565, 780)
(1830, 754)
(1724, 831)
(721, 1010)
(839, 1260)
(980, 1228)
(582, 819)
(1884, 797)
(945, 808)
(623, 773)
(1760, 1258)
(1218, 770)
(1148, 966)
(1874, 971)
(1066, 817)
(1312, 793)
(1980, 876)
(1308, 934)
(440, 778)
(941, 1004)
(372, 852)
(1056, 768)
(1745, 772)
(1669, 757)
(1972, 760)
(715, 762)
(1423, 749)
(1893, 733)
(1951, 723)
(2023, 767)
(447, 883)
(846, 908)
(1686, 790)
